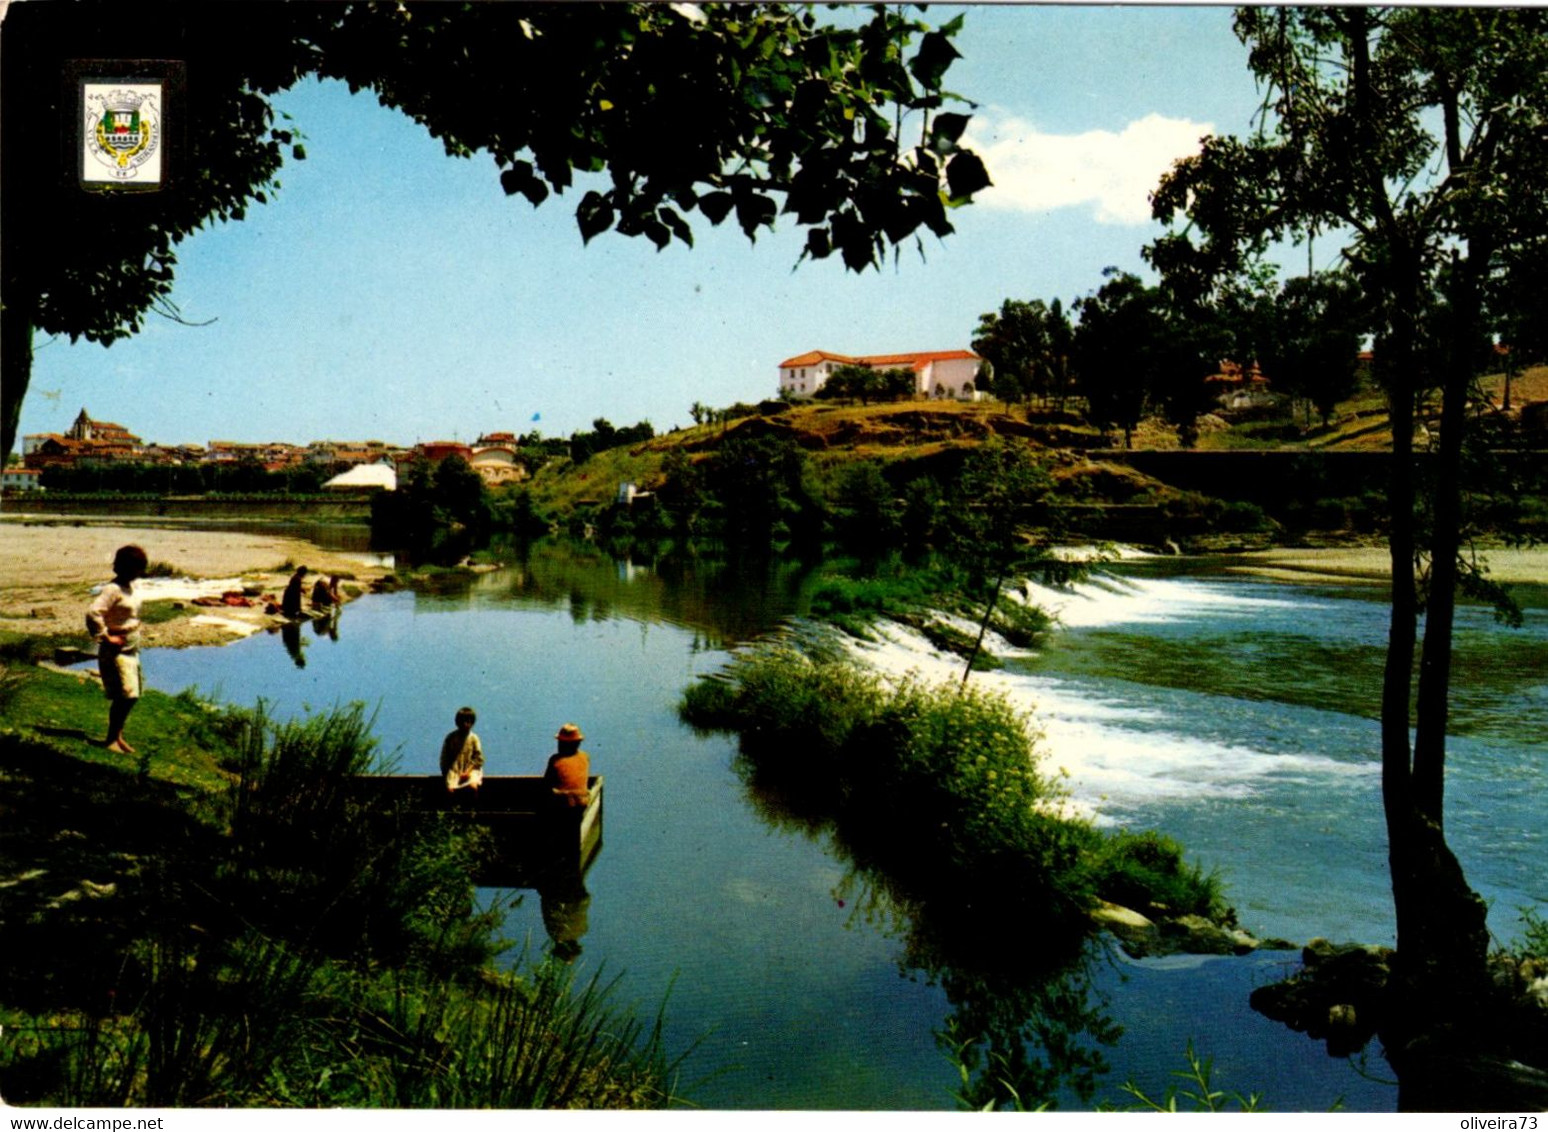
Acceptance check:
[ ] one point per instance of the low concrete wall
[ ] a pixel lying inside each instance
(193, 507)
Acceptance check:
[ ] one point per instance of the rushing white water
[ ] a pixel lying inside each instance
(1111, 753)
(1237, 716)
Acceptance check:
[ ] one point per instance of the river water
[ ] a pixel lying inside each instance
(1232, 714)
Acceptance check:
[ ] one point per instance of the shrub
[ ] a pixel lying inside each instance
(1019, 623)
(1534, 942)
(318, 954)
(938, 789)
(1146, 871)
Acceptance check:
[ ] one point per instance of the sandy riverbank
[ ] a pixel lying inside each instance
(1371, 565)
(47, 570)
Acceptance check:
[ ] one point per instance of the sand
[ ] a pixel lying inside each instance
(1372, 564)
(48, 569)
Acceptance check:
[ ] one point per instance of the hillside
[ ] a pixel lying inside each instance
(1247, 468)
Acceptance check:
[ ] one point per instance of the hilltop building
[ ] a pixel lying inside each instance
(941, 374)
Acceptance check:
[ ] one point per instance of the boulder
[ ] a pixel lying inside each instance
(1199, 936)
(1335, 996)
(1138, 935)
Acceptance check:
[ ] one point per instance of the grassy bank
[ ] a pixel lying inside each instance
(221, 922)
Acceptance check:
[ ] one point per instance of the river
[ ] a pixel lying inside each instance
(1232, 714)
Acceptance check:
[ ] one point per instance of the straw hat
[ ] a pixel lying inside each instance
(569, 733)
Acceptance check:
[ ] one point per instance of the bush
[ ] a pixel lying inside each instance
(936, 786)
(1534, 942)
(1146, 871)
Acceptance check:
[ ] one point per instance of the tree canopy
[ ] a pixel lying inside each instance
(1112, 345)
(1417, 136)
(724, 110)
(1027, 346)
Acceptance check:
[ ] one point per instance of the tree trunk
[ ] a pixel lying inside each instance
(15, 366)
(1440, 974)
(983, 626)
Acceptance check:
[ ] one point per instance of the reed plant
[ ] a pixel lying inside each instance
(309, 949)
(253, 1022)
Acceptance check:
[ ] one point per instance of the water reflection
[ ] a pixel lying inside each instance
(566, 908)
(1026, 1021)
(327, 624)
(324, 625)
(290, 636)
(723, 598)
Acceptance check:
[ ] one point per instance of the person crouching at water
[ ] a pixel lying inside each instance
(325, 594)
(462, 755)
(569, 769)
(290, 604)
(113, 620)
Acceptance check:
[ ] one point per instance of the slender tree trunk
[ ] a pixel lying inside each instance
(983, 626)
(15, 365)
(1440, 972)
(1398, 674)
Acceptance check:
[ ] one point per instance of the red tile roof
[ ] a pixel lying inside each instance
(917, 359)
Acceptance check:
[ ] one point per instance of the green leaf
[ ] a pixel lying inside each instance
(966, 175)
(946, 131)
(594, 215)
(753, 211)
(934, 57)
(677, 224)
(520, 178)
(716, 206)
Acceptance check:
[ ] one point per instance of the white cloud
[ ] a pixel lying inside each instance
(1112, 172)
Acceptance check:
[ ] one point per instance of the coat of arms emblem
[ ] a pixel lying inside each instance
(122, 133)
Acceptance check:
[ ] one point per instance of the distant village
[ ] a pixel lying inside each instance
(358, 465)
(368, 465)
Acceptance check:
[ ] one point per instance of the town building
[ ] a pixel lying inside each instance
(351, 452)
(17, 478)
(495, 456)
(497, 464)
(104, 433)
(940, 374)
(85, 441)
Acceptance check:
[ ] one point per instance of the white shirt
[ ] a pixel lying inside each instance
(116, 610)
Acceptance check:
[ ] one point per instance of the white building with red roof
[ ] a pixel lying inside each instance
(944, 374)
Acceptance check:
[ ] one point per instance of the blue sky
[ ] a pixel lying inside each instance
(390, 292)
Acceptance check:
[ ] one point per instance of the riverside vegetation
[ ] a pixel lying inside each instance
(954, 836)
(224, 925)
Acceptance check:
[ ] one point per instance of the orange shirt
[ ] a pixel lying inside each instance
(567, 777)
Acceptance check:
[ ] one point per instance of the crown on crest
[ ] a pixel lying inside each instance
(123, 102)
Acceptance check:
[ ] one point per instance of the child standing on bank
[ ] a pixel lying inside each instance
(462, 755)
(113, 620)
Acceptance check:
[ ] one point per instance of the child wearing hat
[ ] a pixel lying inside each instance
(569, 769)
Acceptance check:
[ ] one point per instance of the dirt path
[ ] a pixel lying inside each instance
(47, 570)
